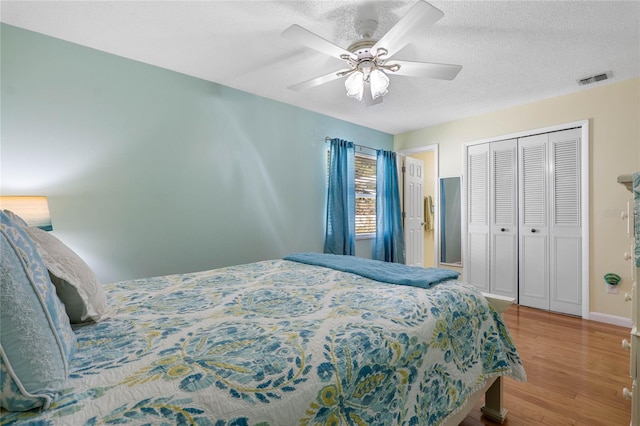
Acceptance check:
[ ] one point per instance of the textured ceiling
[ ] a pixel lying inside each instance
(512, 52)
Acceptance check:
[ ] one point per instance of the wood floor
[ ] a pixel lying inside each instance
(576, 370)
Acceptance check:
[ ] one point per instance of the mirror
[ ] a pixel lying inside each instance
(450, 221)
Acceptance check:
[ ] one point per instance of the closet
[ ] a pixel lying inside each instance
(524, 230)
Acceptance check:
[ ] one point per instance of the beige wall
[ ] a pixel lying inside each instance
(613, 111)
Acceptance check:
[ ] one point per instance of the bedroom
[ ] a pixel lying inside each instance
(141, 164)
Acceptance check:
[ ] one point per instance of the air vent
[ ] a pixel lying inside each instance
(595, 78)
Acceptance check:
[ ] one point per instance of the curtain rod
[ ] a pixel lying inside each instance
(327, 139)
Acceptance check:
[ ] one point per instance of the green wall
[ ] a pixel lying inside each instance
(152, 172)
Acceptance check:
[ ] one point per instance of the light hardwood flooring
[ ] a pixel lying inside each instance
(576, 370)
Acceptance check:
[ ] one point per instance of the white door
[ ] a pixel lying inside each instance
(504, 218)
(534, 227)
(477, 194)
(413, 209)
(565, 231)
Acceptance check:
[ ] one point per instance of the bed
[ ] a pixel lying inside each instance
(282, 342)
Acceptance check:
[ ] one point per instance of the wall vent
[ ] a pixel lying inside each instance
(595, 78)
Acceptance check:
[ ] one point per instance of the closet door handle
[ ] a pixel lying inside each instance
(534, 231)
(626, 345)
(503, 229)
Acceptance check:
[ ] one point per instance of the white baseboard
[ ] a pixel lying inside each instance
(610, 319)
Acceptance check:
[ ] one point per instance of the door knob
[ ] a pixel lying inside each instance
(626, 345)
(503, 229)
(627, 394)
(534, 231)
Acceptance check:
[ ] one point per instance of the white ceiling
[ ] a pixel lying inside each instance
(512, 52)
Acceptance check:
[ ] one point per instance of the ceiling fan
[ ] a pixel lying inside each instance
(368, 59)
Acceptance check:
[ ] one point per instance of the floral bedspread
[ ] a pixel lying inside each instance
(281, 343)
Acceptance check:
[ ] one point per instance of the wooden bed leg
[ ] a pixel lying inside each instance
(493, 408)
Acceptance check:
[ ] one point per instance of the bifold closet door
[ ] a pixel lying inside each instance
(492, 224)
(534, 227)
(476, 268)
(503, 231)
(550, 255)
(565, 228)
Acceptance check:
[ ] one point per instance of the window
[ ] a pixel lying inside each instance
(365, 195)
(365, 184)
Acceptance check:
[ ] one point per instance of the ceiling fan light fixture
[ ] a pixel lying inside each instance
(379, 83)
(367, 57)
(355, 85)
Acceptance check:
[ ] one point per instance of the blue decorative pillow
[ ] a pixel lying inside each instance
(36, 340)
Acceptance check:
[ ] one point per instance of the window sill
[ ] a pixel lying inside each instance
(370, 236)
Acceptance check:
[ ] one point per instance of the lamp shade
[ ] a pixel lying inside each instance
(32, 209)
(379, 83)
(355, 85)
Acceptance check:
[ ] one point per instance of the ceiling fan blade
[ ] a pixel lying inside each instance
(307, 38)
(317, 81)
(419, 17)
(426, 69)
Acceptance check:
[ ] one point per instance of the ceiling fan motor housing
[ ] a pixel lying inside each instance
(362, 47)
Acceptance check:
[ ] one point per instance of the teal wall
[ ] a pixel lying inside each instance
(152, 172)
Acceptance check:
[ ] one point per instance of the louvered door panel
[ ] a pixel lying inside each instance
(565, 233)
(504, 184)
(533, 230)
(476, 267)
(566, 182)
(478, 186)
(534, 183)
(504, 224)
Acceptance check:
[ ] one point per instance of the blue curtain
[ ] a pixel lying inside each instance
(389, 244)
(340, 234)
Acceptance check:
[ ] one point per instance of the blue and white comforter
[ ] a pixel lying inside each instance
(281, 343)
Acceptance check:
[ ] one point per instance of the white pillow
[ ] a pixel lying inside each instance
(76, 284)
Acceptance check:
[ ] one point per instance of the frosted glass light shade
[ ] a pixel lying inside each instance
(379, 83)
(32, 209)
(355, 85)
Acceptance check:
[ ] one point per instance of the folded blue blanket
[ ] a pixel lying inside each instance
(392, 273)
